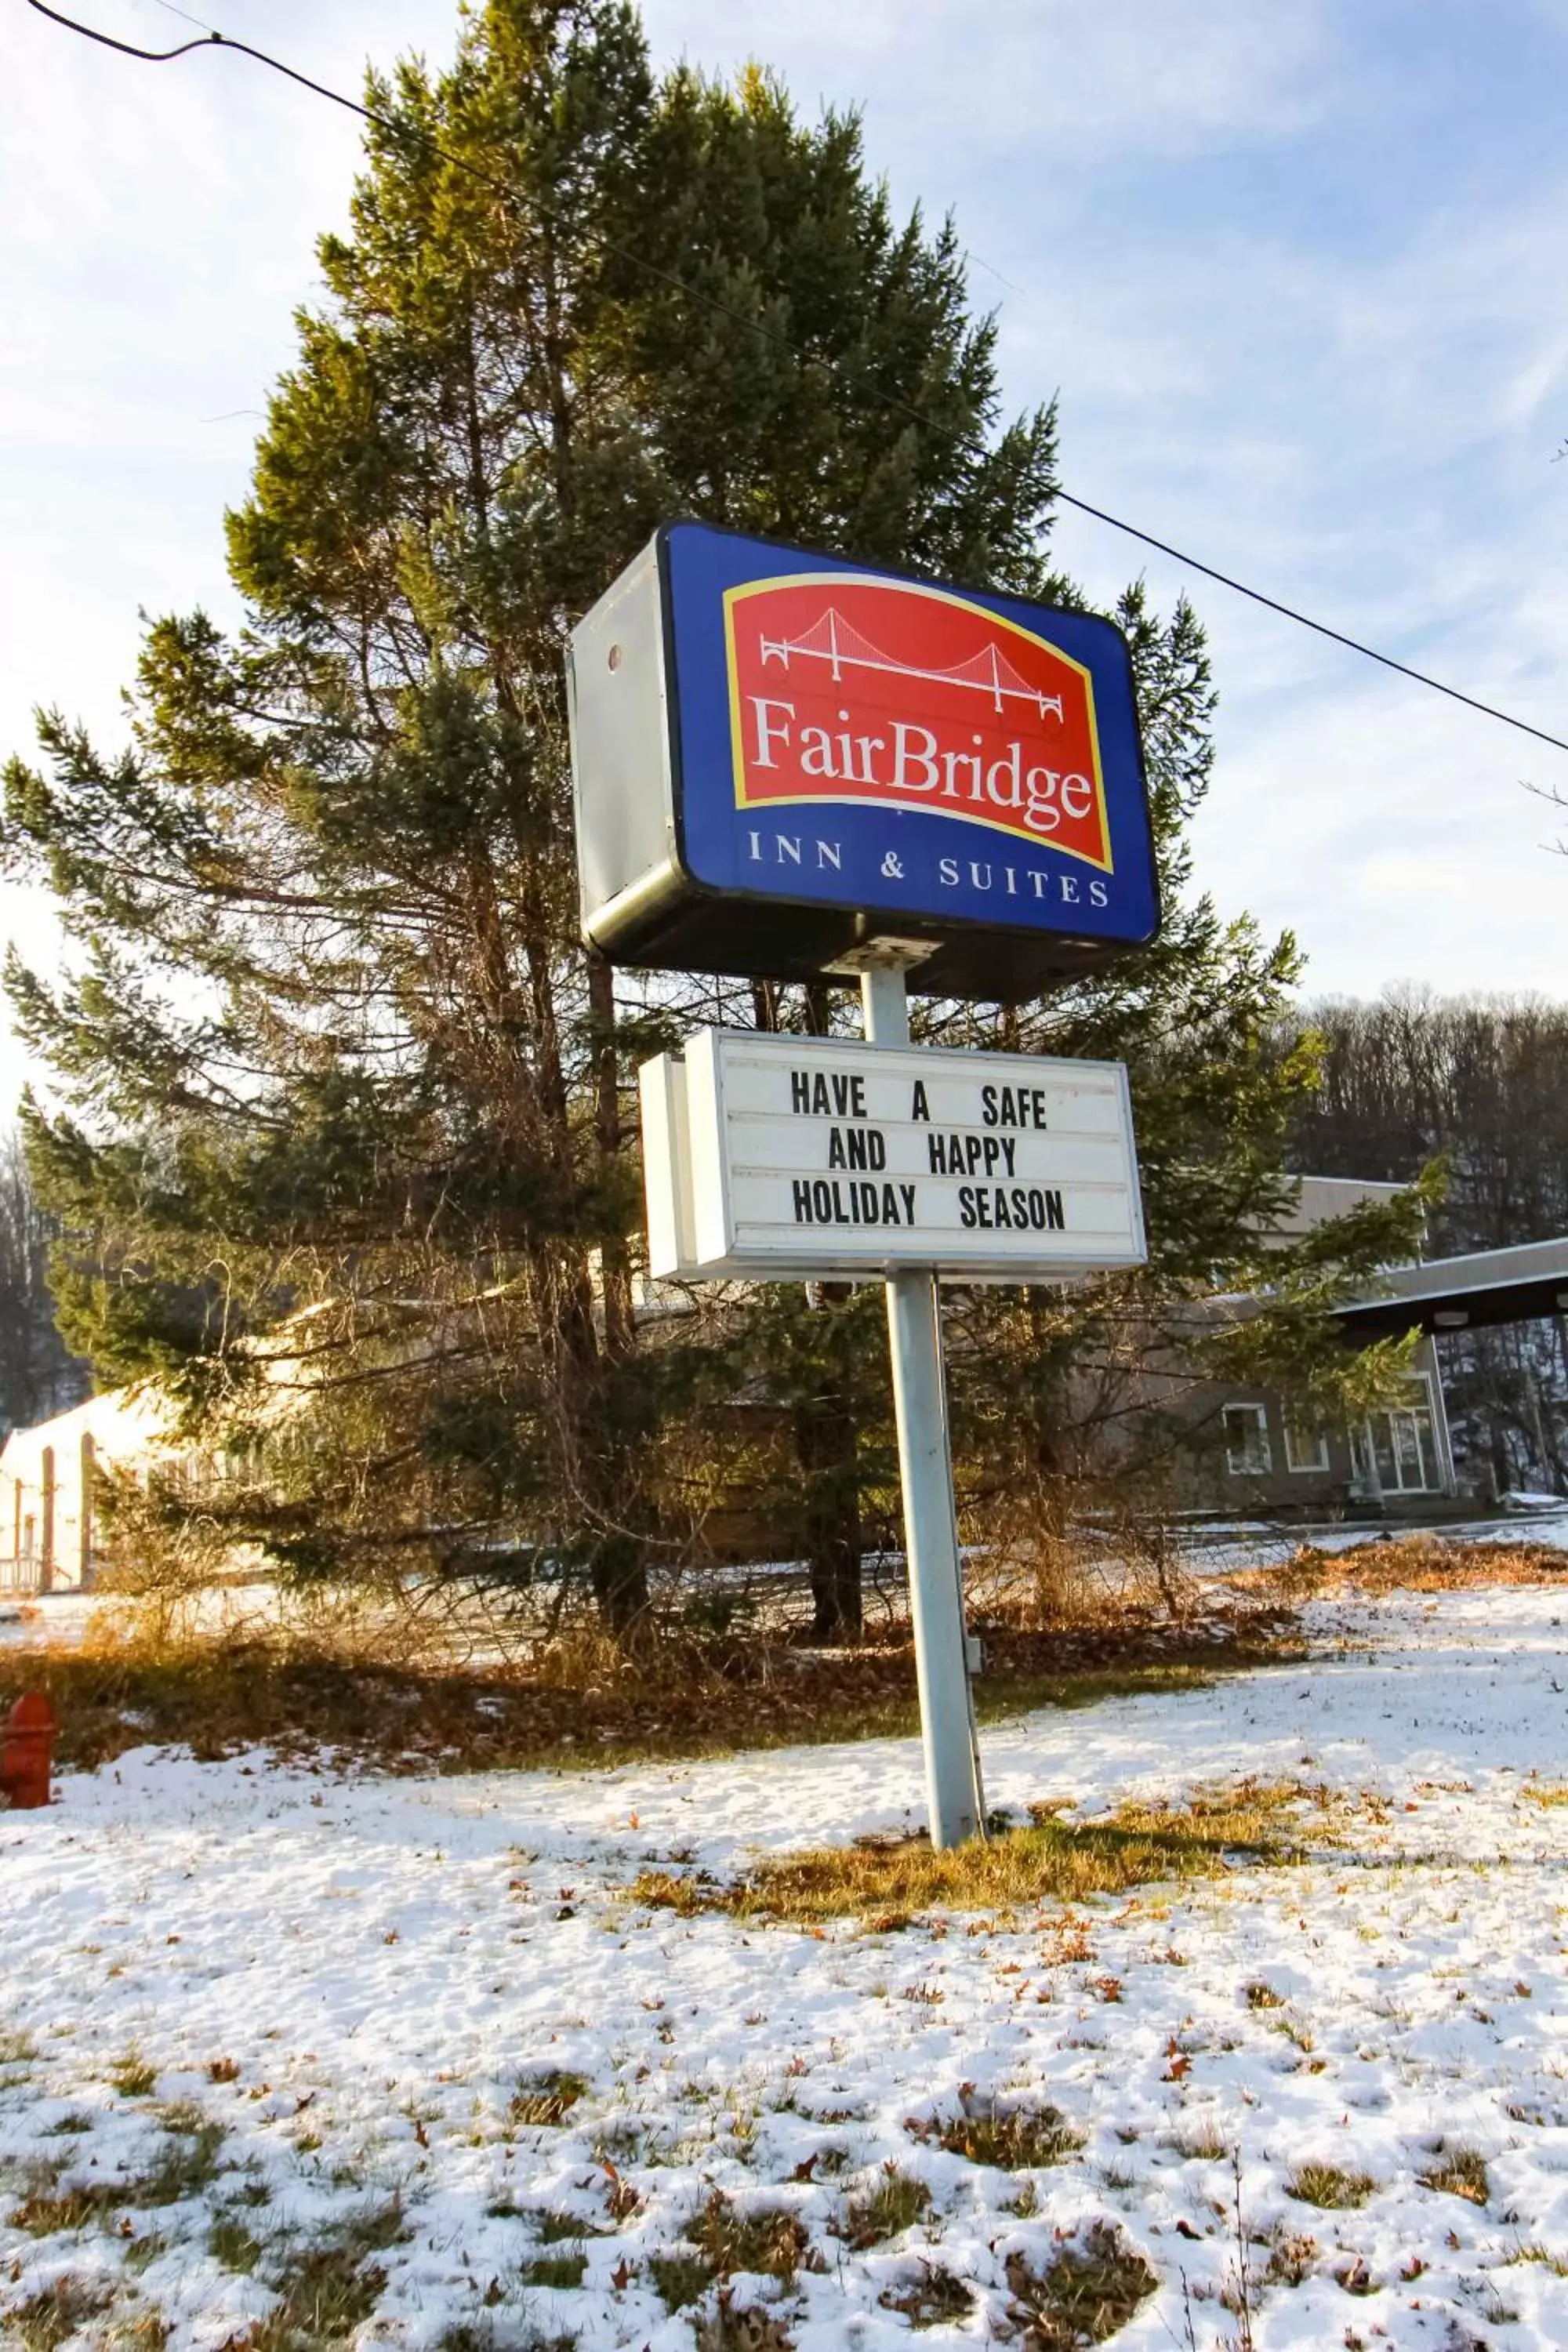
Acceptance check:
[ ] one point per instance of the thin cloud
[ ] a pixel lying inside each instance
(1051, 77)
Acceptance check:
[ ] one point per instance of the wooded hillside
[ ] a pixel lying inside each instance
(1482, 1083)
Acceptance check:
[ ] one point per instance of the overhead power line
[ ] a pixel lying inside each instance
(213, 39)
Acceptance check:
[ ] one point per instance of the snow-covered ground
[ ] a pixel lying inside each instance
(239, 1611)
(349, 1979)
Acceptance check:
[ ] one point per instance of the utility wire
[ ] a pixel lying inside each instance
(199, 21)
(216, 40)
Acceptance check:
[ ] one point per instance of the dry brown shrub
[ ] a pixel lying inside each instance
(297, 1690)
(1422, 1562)
(1125, 1567)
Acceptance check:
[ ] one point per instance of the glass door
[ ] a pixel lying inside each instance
(1402, 1444)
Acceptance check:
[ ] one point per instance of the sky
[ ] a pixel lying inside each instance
(1295, 273)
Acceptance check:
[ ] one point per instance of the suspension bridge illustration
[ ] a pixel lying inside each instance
(837, 642)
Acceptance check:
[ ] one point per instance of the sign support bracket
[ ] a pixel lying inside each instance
(954, 1793)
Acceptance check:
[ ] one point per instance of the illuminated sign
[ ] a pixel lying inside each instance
(779, 756)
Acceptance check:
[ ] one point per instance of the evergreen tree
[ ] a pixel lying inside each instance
(343, 1116)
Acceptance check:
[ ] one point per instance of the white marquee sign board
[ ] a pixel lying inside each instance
(774, 1156)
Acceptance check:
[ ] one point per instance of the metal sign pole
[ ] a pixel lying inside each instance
(930, 1532)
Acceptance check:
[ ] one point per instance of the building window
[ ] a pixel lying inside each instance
(1306, 1448)
(1247, 1453)
(1399, 1451)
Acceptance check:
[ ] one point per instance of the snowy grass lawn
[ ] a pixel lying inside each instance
(292, 2060)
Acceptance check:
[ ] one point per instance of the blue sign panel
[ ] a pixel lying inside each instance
(854, 752)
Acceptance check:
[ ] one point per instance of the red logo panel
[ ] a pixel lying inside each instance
(849, 688)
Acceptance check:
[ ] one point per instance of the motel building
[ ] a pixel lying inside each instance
(1250, 1451)
(1396, 1463)
(51, 1479)
(1399, 1462)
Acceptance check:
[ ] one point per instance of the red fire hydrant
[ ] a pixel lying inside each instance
(26, 1751)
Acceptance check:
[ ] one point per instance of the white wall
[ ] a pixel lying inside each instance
(46, 1474)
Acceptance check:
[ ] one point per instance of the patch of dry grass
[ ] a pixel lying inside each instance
(185, 2163)
(231, 2243)
(44, 2320)
(133, 2076)
(730, 2327)
(47, 2211)
(1053, 1861)
(329, 2288)
(723, 2239)
(1459, 2172)
(1013, 2139)
(1328, 2188)
(560, 2271)
(1085, 2294)
(1292, 2257)
(936, 2299)
(330, 2291)
(767, 2239)
(893, 2205)
(547, 2099)
(1532, 2250)
(680, 2279)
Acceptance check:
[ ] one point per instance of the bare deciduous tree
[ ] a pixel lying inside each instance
(1483, 1082)
(37, 1374)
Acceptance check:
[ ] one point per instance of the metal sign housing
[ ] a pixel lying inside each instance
(778, 755)
(770, 1157)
